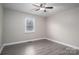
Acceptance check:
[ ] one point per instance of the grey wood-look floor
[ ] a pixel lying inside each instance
(40, 47)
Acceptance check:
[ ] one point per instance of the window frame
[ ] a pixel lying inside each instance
(33, 19)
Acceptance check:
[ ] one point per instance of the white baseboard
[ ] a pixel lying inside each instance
(1, 49)
(6, 44)
(72, 46)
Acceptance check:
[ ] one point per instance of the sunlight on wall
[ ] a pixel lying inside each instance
(55, 29)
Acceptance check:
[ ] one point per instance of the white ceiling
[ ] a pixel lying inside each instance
(28, 7)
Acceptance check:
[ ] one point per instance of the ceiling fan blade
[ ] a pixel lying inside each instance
(35, 5)
(41, 5)
(49, 7)
(37, 9)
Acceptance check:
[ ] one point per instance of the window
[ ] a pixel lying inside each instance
(29, 25)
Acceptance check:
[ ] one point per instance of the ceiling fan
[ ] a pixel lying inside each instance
(42, 6)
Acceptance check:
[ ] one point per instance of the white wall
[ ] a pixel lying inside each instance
(14, 30)
(64, 27)
(1, 15)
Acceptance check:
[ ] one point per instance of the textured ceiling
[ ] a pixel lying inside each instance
(28, 8)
